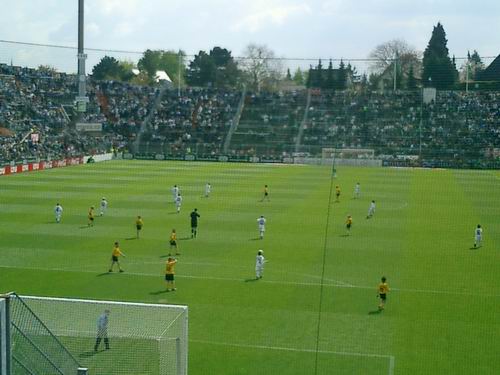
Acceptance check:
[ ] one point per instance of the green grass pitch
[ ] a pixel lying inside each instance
(314, 308)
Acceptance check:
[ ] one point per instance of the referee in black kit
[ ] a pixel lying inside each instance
(194, 223)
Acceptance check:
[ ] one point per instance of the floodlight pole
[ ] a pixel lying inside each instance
(81, 99)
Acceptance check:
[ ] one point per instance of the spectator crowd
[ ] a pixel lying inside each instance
(37, 121)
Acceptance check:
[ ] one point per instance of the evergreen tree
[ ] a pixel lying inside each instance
(476, 64)
(298, 77)
(439, 70)
(319, 75)
(330, 81)
(342, 77)
(288, 75)
(411, 84)
(309, 75)
(364, 82)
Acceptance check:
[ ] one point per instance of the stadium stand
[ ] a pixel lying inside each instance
(37, 117)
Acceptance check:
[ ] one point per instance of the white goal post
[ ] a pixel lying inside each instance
(139, 338)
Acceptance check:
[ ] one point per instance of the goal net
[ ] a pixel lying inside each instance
(132, 338)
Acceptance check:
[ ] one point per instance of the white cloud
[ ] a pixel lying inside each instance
(93, 29)
(262, 16)
(123, 29)
(127, 8)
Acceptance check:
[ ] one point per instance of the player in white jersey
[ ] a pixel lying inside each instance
(175, 193)
(208, 189)
(259, 264)
(104, 206)
(371, 210)
(357, 190)
(478, 236)
(58, 210)
(261, 221)
(178, 202)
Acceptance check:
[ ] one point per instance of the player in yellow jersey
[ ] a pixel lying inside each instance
(383, 289)
(337, 193)
(114, 257)
(138, 225)
(266, 194)
(91, 216)
(173, 242)
(170, 273)
(348, 224)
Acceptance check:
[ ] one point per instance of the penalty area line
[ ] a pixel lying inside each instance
(390, 358)
(348, 286)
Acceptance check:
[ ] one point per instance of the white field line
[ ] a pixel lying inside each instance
(391, 358)
(263, 281)
(392, 364)
(245, 267)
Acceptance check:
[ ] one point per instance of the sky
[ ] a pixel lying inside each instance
(291, 28)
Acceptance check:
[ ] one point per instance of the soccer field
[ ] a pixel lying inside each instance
(315, 310)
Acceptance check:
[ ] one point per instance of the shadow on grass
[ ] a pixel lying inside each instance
(104, 274)
(131, 238)
(173, 212)
(85, 227)
(474, 248)
(88, 354)
(374, 312)
(185, 238)
(255, 239)
(251, 280)
(344, 235)
(158, 292)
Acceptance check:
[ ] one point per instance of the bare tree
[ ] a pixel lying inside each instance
(384, 55)
(263, 69)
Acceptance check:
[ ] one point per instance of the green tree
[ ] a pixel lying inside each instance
(330, 81)
(201, 71)
(308, 78)
(47, 69)
(288, 75)
(411, 83)
(473, 67)
(477, 64)
(439, 70)
(168, 61)
(107, 68)
(126, 68)
(342, 76)
(226, 68)
(298, 77)
(217, 68)
(318, 77)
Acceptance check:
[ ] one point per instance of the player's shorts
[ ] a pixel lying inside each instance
(169, 277)
(266, 193)
(173, 243)
(91, 218)
(114, 258)
(383, 296)
(139, 227)
(348, 226)
(194, 225)
(479, 238)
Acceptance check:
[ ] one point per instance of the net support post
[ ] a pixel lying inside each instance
(83, 371)
(5, 353)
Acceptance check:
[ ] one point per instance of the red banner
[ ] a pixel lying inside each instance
(29, 167)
